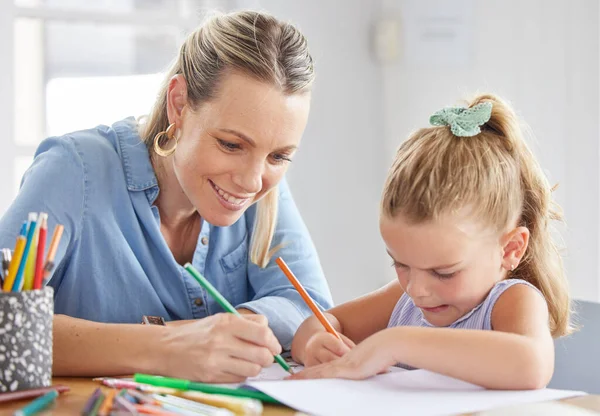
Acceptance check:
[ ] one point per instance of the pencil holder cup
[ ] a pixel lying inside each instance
(26, 339)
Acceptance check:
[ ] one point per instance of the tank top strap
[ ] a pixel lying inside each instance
(497, 291)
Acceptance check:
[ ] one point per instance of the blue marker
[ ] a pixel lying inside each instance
(18, 283)
(38, 404)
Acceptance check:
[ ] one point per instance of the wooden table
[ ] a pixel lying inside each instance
(72, 402)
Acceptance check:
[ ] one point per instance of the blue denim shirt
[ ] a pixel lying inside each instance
(113, 264)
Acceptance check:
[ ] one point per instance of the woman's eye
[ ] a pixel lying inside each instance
(280, 158)
(228, 145)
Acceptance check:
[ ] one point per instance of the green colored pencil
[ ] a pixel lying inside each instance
(226, 305)
(181, 384)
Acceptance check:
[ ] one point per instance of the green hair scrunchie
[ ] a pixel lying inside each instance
(463, 122)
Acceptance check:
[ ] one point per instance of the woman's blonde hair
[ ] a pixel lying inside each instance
(493, 174)
(255, 44)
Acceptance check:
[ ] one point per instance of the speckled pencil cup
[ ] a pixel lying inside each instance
(26, 339)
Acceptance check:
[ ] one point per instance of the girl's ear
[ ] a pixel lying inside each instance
(514, 247)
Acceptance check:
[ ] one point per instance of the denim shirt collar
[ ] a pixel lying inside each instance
(135, 158)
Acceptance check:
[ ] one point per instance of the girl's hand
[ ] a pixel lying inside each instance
(365, 360)
(324, 347)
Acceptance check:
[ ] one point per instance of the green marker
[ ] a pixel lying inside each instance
(226, 305)
(181, 384)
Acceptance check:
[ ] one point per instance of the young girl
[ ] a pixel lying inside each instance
(480, 291)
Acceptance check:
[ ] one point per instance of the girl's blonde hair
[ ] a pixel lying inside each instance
(255, 44)
(494, 175)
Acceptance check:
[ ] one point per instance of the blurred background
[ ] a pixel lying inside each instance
(382, 66)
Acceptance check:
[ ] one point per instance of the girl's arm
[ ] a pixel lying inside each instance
(517, 354)
(362, 317)
(357, 319)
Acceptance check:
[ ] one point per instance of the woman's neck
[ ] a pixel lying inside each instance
(173, 205)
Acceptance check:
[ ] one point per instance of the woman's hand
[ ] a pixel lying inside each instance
(365, 360)
(324, 347)
(222, 348)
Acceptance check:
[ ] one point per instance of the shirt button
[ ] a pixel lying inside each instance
(198, 301)
(204, 241)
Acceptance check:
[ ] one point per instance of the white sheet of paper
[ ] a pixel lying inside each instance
(276, 373)
(411, 392)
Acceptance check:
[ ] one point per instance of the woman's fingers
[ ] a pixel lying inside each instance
(249, 352)
(236, 367)
(255, 329)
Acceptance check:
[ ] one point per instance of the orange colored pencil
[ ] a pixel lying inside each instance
(307, 299)
(152, 410)
(39, 259)
(56, 235)
(107, 404)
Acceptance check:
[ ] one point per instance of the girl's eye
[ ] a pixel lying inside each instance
(397, 265)
(229, 146)
(443, 275)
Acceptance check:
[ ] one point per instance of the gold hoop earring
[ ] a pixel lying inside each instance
(169, 133)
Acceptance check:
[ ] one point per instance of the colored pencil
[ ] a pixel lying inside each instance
(121, 402)
(142, 398)
(38, 404)
(29, 272)
(245, 406)
(4, 264)
(119, 384)
(6, 257)
(49, 264)
(181, 384)
(306, 297)
(97, 404)
(16, 259)
(91, 402)
(39, 259)
(29, 394)
(190, 405)
(153, 410)
(225, 304)
(18, 284)
(107, 404)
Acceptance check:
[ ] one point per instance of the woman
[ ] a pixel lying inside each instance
(202, 182)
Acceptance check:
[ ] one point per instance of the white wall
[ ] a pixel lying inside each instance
(7, 147)
(543, 56)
